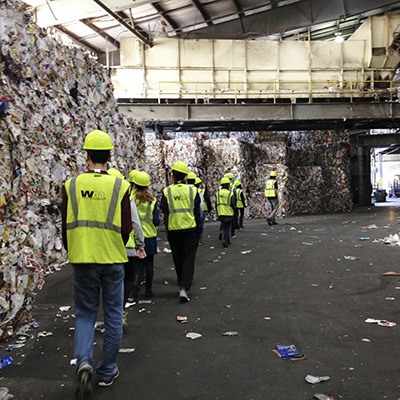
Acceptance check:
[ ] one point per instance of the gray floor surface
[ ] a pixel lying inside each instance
(287, 284)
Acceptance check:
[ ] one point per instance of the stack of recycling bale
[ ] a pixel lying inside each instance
(55, 96)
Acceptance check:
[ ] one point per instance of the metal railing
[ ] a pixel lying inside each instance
(279, 90)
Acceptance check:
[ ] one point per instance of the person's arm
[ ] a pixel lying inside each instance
(156, 216)
(164, 209)
(242, 198)
(126, 218)
(207, 199)
(197, 211)
(138, 231)
(64, 207)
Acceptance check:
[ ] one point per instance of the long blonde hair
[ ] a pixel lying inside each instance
(143, 194)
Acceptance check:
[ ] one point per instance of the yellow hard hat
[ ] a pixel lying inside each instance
(229, 175)
(141, 178)
(237, 183)
(98, 140)
(132, 175)
(180, 166)
(115, 172)
(273, 173)
(225, 180)
(197, 180)
(191, 175)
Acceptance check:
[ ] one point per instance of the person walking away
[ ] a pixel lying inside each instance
(241, 203)
(207, 206)
(149, 218)
(271, 193)
(180, 204)
(224, 204)
(135, 249)
(232, 188)
(96, 222)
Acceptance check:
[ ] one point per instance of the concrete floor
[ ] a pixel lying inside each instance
(296, 275)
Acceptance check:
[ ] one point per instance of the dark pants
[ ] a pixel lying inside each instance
(226, 226)
(184, 246)
(234, 224)
(144, 267)
(240, 217)
(129, 277)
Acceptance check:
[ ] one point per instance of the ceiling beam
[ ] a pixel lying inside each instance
(131, 29)
(288, 17)
(167, 18)
(100, 32)
(273, 4)
(239, 10)
(203, 12)
(135, 26)
(77, 39)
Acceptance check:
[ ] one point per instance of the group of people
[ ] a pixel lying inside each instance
(109, 229)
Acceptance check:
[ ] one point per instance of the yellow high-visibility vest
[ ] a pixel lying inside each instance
(223, 202)
(180, 199)
(145, 211)
(94, 219)
(270, 190)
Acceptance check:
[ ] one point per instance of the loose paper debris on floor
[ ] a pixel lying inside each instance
(193, 335)
(351, 258)
(316, 379)
(381, 322)
(289, 352)
(320, 396)
(230, 333)
(131, 350)
(391, 273)
(182, 319)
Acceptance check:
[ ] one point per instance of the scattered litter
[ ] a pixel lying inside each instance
(267, 318)
(391, 273)
(182, 319)
(308, 244)
(44, 334)
(316, 379)
(390, 298)
(228, 306)
(5, 361)
(131, 350)
(166, 250)
(129, 304)
(331, 286)
(314, 285)
(203, 288)
(142, 310)
(166, 283)
(264, 234)
(320, 396)
(4, 395)
(363, 238)
(65, 308)
(366, 340)
(351, 258)
(73, 361)
(193, 335)
(293, 228)
(381, 322)
(392, 240)
(215, 261)
(246, 252)
(230, 333)
(289, 352)
(144, 301)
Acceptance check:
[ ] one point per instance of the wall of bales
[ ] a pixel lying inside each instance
(55, 95)
(313, 167)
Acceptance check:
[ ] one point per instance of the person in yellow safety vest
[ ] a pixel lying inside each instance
(206, 208)
(180, 204)
(224, 201)
(241, 203)
(232, 188)
(134, 248)
(271, 193)
(191, 178)
(149, 218)
(96, 222)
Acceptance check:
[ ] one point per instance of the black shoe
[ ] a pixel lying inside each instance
(269, 222)
(274, 223)
(225, 245)
(220, 236)
(83, 389)
(183, 296)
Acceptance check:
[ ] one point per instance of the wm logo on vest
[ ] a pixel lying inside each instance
(180, 197)
(91, 194)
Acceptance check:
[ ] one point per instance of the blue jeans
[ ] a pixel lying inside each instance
(89, 283)
(203, 215)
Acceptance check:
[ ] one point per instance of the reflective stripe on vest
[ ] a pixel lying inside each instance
(180, 217)
(94, 219)
(270, 190)
(223, 199)
(145, 211)
(95, 224)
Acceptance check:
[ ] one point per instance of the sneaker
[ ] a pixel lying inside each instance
(225, 245)
(183, 296)
(233, 236)
(83, 389)
(109, 380)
